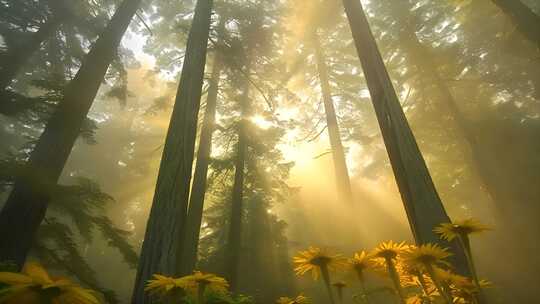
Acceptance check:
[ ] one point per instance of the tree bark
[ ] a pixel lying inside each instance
(188, 258)
(234, 238)
(165, 227)
(422, 203)
(27, 203)
(19, 55)
(527, 22)
(340, 165)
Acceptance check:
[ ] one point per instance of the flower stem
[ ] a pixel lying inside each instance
(200, 293)
(466, 244)
(447, 298)
(340, 294)
(395, 279)
(425, 289)
(326, 278)
(363, 286)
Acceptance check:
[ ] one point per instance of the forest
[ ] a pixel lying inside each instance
(269, 151)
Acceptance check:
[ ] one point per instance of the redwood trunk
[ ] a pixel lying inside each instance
(188, 258)
(165, 227)
(340, 165)
(234, 239)
(527, 22)
(28, 201)
(422, 204)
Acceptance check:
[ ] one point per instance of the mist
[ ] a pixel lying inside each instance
(263, 142)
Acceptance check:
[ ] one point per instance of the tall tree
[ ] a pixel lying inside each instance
(188, 256)
(338, 154)
(422, 203)
(165, 226)
(28, 201)
(234, 237)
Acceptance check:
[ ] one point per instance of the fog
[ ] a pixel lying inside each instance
(467, 76)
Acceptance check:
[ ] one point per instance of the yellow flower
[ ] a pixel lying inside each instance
(315, 258)
(389, 250)
(462, 287)
(206, 280)
(360, 261)
(34, 286)
(450, 278)
(450, 231)
(428, 254)
(162, 284)
(300, 299)
(284, 300)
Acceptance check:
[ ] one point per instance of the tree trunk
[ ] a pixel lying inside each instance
(165, 226)
(27, 203)
(422, 204)
(340, 165)
(188, 258)
(19, 55)
(234, 238)
(527, 22)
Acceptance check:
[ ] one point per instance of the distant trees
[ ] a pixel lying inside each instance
(338, 154)
(166, 223)
(28, 201)
(18, 56)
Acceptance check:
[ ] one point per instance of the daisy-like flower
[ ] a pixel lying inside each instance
(300, 299)
(360, 262)
(35, 286)
(389, 250)
(465, 291)
(387, 254)
(441, 278)
(163, 285)
(196, 283)
(206, 281)
(427, 257)
(461, 230)
(319, 262)
(315, 259)
(450, 231)
(427, 254)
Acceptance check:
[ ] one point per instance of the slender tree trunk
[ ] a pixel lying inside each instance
(188, 258)
(527, 22)
(19, 55)
(422, 204)
(340, 165)
(234, 238)
(27, 203)
(165, 227)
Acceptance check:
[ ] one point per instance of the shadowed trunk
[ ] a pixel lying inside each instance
(165, 227)
(234, 237)
(422, 204)
(28, 201)
(340, 165)
(527, 22)
(188, 258)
